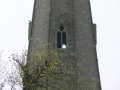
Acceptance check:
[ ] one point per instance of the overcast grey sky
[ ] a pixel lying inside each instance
(14, 16)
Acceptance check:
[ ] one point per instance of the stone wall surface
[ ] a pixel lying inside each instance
(40, 25)
(85, 44)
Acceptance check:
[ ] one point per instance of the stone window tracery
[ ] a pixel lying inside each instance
(61, 38)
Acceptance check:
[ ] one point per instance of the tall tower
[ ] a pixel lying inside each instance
(67, 23)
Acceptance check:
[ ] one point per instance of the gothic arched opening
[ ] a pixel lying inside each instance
(61, 37)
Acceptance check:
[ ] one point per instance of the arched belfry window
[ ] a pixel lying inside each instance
(61, 38)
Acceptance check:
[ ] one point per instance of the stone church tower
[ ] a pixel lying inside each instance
(66, 25)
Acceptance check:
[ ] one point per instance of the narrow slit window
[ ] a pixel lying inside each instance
(59, 36)
(64, 38)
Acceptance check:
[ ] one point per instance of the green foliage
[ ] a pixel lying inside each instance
(44, 71)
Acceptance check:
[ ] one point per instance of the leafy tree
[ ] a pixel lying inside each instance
(9, 74)
(44, 71)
